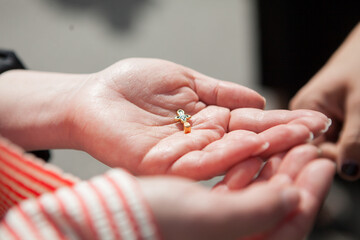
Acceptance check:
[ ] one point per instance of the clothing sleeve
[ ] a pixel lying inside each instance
(110, 206)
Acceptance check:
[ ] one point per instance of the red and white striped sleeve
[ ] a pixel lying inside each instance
(39, 201)
(106, 207)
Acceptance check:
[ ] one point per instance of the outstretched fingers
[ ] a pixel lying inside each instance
(314, 182)
(297, 159)
(289, 164)
(240, 175)
(209, 125)
(300, 171)
(219, 156)
(257, 120)
(283, 137)
(261, 207)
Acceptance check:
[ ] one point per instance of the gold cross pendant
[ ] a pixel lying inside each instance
(183, 118)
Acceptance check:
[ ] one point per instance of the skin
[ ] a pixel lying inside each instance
(335, 91)
(124, 117)
(281, 203)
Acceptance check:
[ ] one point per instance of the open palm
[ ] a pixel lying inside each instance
(124, 116)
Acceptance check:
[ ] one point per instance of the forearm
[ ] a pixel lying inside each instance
(35, 106)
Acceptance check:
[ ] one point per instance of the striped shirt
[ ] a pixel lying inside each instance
(39, 201)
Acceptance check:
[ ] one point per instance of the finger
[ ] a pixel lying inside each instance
(314, 182)
(320, 97)
(271, 167)
(243, 173)
(218, 156)
(296, 159)
(327, 100)
(289, 164)
(208, 126)
(316, 178)
(349, 142)
(257, 120)
(332, 135)
(317, 141)
(329, 150)
(283, 137)
(240, 175)
(261, 207)
(226, 94)
(315, 126)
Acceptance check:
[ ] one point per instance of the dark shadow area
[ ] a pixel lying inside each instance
(120, 14)
(297, 37)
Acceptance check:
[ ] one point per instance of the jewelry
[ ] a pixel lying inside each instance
(183, 118)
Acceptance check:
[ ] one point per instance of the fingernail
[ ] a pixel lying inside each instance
(261, 149)
(311, 137)
(350, 169)
(328, 124)
(291, 198)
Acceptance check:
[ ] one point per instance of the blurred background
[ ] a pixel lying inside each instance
(259, 44)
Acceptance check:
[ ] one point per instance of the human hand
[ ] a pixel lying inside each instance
(124, 116)
(281, 204)
(335, 91)
(300, 165)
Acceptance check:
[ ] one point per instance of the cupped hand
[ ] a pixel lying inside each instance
(335, 91)
(124, 116)
(306, 172)
(281, 204)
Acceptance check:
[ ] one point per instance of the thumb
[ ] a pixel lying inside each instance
(226, 94)
(349, 141)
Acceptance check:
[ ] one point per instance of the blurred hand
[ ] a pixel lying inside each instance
(124, 116)
(335, 91)
(281, 204)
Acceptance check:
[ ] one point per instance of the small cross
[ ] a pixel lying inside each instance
(181, 116)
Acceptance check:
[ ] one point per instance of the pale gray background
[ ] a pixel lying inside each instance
(215, 37)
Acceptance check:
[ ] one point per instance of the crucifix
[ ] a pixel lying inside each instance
(183, 118)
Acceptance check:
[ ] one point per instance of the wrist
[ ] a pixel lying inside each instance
(35, 107)
(92, 120)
